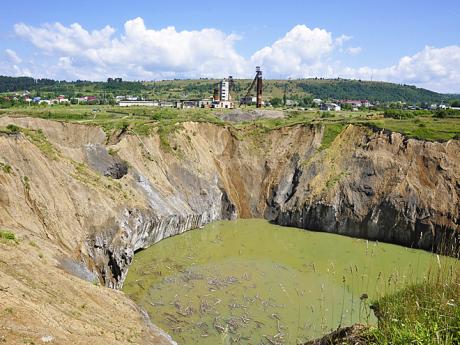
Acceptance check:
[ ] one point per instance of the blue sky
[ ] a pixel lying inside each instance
(355, 39)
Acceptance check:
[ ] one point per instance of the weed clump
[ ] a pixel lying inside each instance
(10, 129)
(6, 168)
(7, 237)
(26, 183)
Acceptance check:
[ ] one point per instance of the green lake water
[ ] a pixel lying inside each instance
(251, 282)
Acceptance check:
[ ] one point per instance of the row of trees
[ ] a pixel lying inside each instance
(409, 114)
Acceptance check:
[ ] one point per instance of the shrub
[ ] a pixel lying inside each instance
(443, 113)
(398, 114)
(6, 168)
(8, 237)
(13, 129)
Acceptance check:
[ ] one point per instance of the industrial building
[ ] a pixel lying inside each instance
(221, 99)
(222, 96)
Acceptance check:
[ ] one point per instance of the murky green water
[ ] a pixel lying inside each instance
(258, 283)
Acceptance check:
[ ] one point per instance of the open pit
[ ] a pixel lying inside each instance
(63, 205)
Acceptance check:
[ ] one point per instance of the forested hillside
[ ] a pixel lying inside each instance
(203, 88)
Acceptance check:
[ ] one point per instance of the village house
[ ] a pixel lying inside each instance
(356, 103)
(330, 107)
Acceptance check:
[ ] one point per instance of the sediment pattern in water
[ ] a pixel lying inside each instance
(254, 282)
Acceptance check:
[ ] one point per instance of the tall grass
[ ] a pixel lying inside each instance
(424, 313)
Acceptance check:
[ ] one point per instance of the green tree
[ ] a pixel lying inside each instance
(276, 102)
(455, 103)
(346, 106)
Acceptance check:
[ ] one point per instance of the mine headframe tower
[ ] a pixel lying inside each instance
(257, 82)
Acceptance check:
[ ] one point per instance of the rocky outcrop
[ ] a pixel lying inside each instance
(356, 334)
(379, 186)
(101, 161)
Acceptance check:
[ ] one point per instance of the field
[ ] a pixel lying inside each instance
(142, 119)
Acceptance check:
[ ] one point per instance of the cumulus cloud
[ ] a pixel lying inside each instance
(67, 40)
(432, 68)
(12, 65)
(141, 53)
(298, 53)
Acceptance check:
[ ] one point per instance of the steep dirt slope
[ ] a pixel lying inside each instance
(79, 226)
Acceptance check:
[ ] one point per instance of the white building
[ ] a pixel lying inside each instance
(224, 90)
(223, 104)
(317, 101)
(138, 103)
(330, 107)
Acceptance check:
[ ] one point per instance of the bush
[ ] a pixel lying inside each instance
(276, 102)
(443, 113)
(13, 129)
(405, 114)
(8, 237)
(6, 168)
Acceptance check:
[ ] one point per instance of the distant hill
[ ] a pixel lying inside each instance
(201, 88)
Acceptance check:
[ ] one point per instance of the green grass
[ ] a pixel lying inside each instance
(335, 179)
(146, 120)
(420, 314)
(424, 128)
(331, 131)
(8, 237)
(38, 138)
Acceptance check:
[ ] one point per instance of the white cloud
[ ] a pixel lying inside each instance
(432, 68)
(354, 50)
(341, 40)
(68, 40)
(12, 65)
(297, 54)
(141, 53)
(12, 56)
